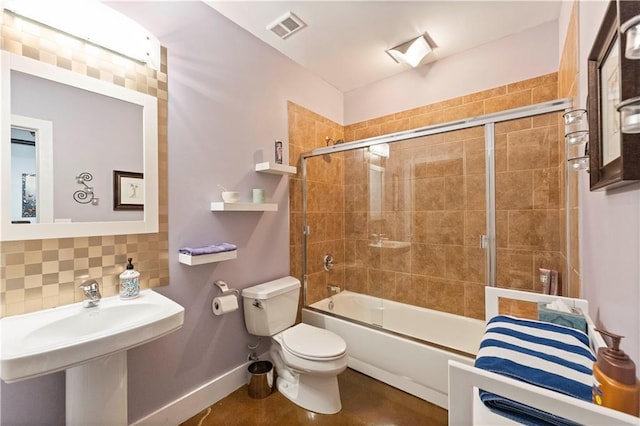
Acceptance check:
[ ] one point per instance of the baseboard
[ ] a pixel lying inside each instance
(198, 399)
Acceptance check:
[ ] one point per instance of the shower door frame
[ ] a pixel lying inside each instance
(488, 121)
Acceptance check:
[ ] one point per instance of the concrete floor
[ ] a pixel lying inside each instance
(365, 401)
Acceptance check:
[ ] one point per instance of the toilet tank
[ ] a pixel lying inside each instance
(271, 307)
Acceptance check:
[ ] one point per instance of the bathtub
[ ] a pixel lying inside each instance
(411, 353)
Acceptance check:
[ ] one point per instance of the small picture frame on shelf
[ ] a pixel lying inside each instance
(128, 190)
(278, 152)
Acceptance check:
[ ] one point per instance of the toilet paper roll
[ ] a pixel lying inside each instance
(224, 304)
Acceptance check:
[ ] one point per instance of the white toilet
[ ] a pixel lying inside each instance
(307, 359)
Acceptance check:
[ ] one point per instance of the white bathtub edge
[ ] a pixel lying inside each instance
(399, 382)
(416, 368)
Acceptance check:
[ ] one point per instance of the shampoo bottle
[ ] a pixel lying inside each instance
(129, 282)
(614, 379)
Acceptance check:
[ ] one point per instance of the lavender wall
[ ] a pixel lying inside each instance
(530, 53)
(228, 96)
(609, 230)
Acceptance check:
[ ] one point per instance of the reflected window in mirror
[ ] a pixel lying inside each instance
(31, 170)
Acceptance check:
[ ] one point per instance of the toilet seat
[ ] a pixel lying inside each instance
(313, 343)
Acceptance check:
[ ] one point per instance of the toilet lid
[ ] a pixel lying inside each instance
(311, 342)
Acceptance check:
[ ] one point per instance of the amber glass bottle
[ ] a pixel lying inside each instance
(614, 379)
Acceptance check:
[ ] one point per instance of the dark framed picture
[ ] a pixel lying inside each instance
(128, 190)
(614, 157)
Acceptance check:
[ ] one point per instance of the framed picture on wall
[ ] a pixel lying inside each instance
(128, 190)
(614, 156)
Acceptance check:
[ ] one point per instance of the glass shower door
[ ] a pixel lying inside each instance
(529, 182)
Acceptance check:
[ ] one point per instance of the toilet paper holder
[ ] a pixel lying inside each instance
(224, 288)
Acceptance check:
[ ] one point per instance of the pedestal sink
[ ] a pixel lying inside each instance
(90, 344)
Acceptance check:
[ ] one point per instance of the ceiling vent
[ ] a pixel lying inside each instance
(286, 25)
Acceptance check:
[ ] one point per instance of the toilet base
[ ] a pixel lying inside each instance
(319, 394)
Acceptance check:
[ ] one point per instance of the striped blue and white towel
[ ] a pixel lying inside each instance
(543, 354)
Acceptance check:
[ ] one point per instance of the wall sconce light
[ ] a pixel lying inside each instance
(85, 195)
(411, 52)
(95, 22)
(632, 29)
(630, 115)
(576, 132)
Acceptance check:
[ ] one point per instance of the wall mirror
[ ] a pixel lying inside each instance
(63, 135)
(613, 78)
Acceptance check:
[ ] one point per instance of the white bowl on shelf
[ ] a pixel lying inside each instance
(230, 196)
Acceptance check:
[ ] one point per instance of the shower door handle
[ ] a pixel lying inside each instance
(484, 241)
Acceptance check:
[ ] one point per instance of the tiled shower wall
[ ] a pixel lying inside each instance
(307, 130)
(39, 274)
(568, 88)
(440, 271)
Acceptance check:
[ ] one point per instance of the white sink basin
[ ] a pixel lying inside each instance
(56, 339)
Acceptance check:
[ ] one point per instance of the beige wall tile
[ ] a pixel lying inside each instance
(514, 190)
(474, 301)
(454, 193)
(534, 229)
(475, 192)
(466, 110)
(509, 101)
(515, 269)
(545, 188)
(533, 83)
(513, 125)
(455, 263)
(426, 119)
(445, 295)
(429, 194)
(485, 94)
(528, 149)
(474, 156)
(474, 226)
(428, 259)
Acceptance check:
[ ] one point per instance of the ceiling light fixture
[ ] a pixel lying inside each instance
(95, 22)
(411, 52)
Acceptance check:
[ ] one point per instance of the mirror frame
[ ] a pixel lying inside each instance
(149, 104)
(624, 169)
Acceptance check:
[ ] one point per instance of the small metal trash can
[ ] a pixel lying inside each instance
(262, 379)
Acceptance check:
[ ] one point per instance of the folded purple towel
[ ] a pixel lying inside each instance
(214, 248)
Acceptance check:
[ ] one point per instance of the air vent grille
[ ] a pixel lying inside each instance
(286, 25)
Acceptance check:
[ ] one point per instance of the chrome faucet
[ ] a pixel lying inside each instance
(91, 292)
(333, 288)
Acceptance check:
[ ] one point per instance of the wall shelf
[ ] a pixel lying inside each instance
(207, 258)
(275, 168)
(219, 206)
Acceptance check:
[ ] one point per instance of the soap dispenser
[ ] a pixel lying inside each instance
(129, 282)
(614, 378)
